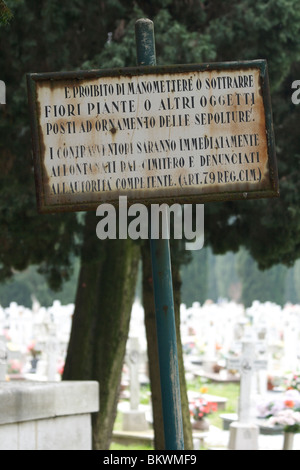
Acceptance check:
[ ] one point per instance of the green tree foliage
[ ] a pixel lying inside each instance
(236, 276)
(5, 13)
(206, 276)
(29, 284)
(260, 285)
(269, 229)
(194, 277)
(186, 31)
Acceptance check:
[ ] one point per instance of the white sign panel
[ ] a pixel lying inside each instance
(181, 134)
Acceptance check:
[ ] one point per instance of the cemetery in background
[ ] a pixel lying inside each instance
(234, 276)
(33, 345)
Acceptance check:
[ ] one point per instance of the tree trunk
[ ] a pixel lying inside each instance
(187, 427)
(150, 324)
(105, 294)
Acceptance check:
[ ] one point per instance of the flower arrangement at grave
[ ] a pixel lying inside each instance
(285, 413)
(282, 411)
(14, 367)
(293, 383)
(31, 348)
(289, 419)
(189, 347)
(275, 382)
(232, 354)
(199, 410)
(60, 368)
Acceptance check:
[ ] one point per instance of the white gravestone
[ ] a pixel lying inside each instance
(210, 359)
(244, 433)
(134, 419)
(291, 340)
(3, 360)
(133, 360)
(52, 353)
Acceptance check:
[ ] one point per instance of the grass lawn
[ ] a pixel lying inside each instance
(229, 391)
(225, 390)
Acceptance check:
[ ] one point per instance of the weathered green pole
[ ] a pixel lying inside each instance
(163, 292)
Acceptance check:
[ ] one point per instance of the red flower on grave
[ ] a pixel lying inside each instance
(289, 403)
(200, 408)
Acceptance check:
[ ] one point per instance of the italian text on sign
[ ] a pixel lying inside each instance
(182, 134)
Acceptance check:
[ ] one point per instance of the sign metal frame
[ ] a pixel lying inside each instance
(33, 79)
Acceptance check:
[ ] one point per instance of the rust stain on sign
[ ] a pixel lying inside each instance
(181, 133)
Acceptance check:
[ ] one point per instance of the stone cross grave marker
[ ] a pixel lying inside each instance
(133, 362)
(244, 434)
(134, 419)
(246, 365)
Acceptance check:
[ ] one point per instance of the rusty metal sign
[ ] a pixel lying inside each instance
(193, 133)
